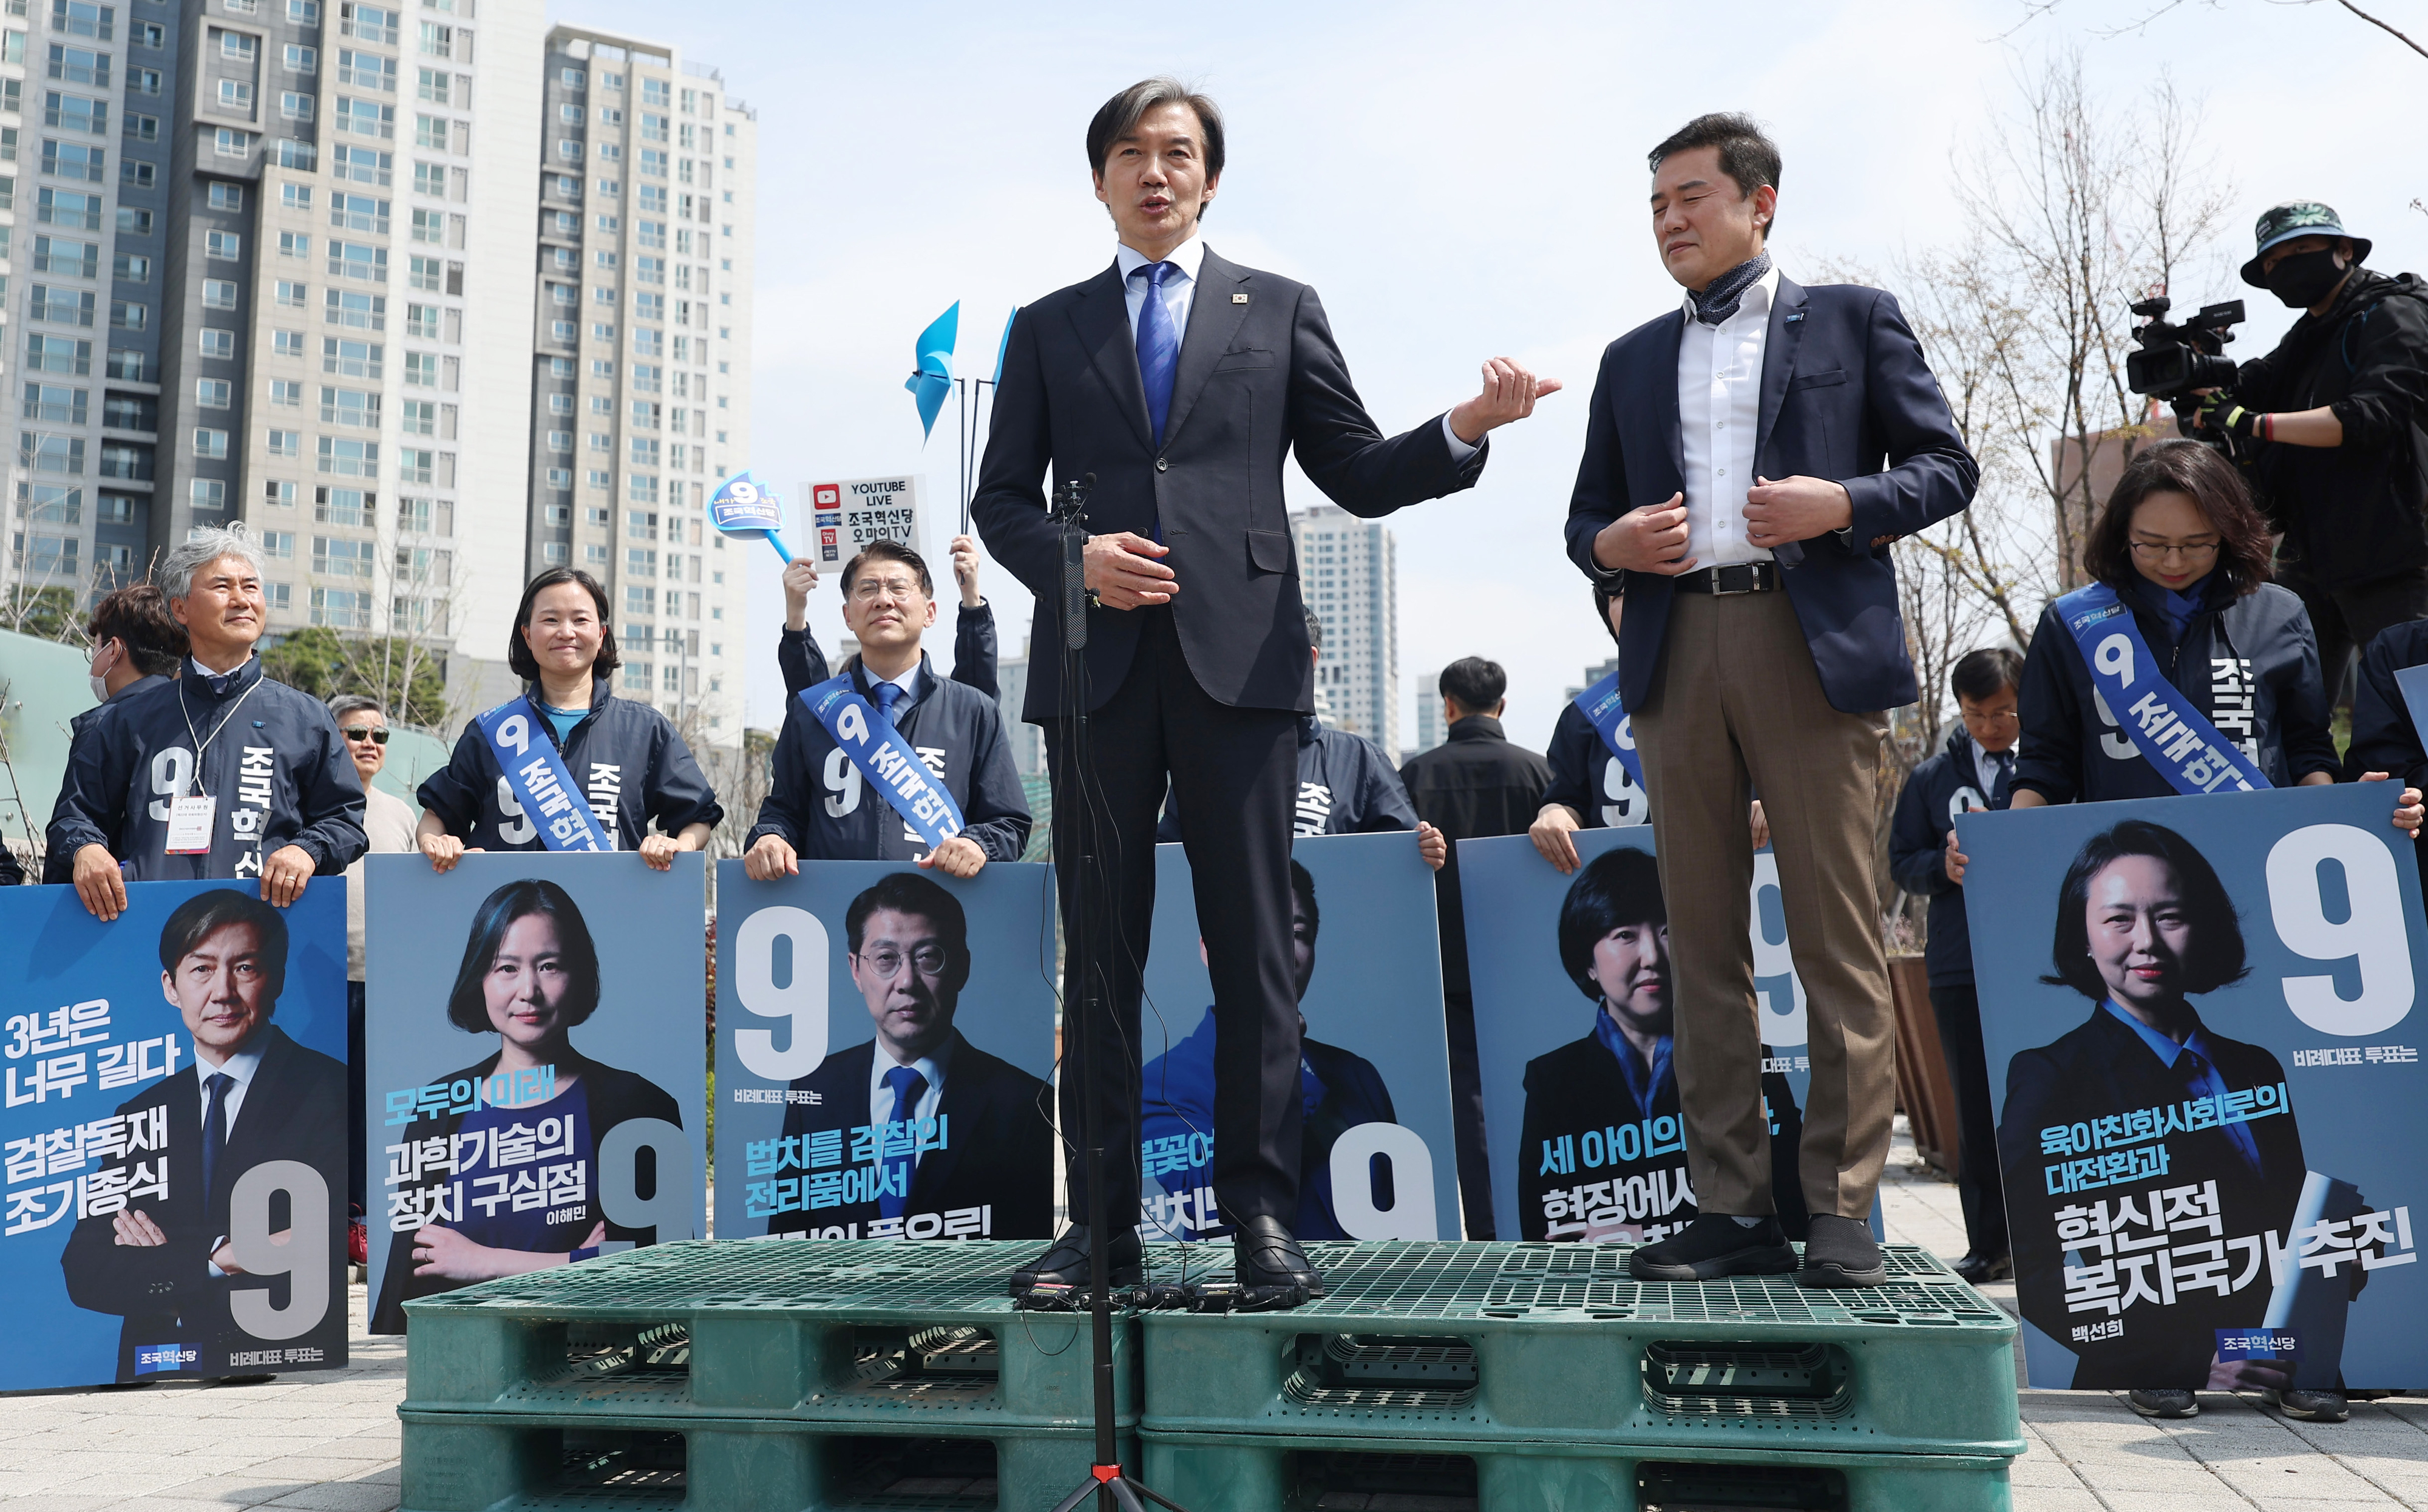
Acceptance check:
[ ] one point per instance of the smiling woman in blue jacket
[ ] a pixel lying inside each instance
(627, 760)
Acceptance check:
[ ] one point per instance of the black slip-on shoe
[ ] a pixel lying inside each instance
(1714, 1246)
(2168, 1403)
(1841, 1252)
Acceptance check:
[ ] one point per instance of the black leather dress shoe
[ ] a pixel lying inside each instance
(1264, 1255)
(1066, 1262)
(1975, 1269)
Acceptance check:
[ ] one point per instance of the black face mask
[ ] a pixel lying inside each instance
(2305, 277)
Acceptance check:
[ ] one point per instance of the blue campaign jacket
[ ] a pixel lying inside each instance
(1846, 395)
(2253, 667)
(1940, 788)
(2384, 739)
(1586, 777)
(59, 866)
(825, 810)
(278, 769)
(1345, 787)
(804, 665)
(627, 758)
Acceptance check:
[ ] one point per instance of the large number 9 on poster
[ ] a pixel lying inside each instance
(2371, 935)
(302, 1256)
(802, 999)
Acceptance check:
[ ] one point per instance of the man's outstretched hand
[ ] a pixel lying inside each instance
(1509, 393)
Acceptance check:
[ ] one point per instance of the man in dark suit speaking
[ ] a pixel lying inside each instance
(229, 1244)
(1748, 458)
(933, 1136)
(1182, 382)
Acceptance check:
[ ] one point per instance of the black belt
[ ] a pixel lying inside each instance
(1743, 577)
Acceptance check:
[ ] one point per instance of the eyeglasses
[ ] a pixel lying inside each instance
(928, 958)
(867, 589)
(2154, 552)
(364, 732)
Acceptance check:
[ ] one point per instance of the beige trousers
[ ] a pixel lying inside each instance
(1737, 709)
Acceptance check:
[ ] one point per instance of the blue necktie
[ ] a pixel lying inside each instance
(2003, 790)
(907, 1087)
(1158, 346)
(888, 695)
(214, 1128)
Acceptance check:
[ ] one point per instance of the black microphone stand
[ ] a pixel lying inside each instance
(1113, 1489)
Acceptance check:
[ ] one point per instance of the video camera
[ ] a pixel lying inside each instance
(2175, 361)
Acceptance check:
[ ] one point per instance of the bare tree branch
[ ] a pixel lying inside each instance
(2383, 27)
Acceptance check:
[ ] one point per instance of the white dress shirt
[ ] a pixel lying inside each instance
(1180, 294)
(934, 1067)
(1985, 766)
(1719, 413)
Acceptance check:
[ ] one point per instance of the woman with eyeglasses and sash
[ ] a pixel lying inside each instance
(2187, 556)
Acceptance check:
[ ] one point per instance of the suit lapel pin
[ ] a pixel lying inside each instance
(1792, 319)
(1239, 299)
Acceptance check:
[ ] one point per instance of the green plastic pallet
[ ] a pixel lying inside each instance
(466, 1461)
(1320, 1472)
(1554, 1344)
(915, 1335)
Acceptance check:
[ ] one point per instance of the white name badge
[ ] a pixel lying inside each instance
(190, 825)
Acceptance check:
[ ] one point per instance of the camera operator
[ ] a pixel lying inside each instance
(2340, 461)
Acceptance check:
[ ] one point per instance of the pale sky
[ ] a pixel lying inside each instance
(1456, 182)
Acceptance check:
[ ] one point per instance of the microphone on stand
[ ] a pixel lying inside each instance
(1070, 507)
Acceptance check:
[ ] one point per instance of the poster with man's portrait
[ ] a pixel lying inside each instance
(885, 1053)
(537, 1036)
(2199, 1020)
(174, 1134)
(1377, 1160)
(1574, 998)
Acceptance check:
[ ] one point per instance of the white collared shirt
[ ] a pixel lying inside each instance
(1719, 415)
(1180, 295)
(196, 663)
(934, 1067)
(1985, 766)
(240, 1066)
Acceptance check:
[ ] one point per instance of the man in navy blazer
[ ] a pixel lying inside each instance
(1748, 459)
(1182, 381)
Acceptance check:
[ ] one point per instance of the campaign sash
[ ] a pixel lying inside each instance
(2170, 735)
(1600, 704)
(541, 785)
(885, 760)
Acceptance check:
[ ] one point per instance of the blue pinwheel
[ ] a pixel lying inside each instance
(933, 377)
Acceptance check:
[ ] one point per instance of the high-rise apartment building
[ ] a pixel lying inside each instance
(1349, 575)
(88, 129)
(641, 357)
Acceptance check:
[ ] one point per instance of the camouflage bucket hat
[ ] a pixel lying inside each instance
(2295, 219)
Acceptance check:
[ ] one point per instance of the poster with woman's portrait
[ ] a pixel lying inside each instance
(885, 1053)
(1574, 1031)
(1377, 1156)
(536, 1028)
(2198, 1014)
(174, 1132)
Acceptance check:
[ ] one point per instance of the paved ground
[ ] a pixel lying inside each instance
(330, 1442)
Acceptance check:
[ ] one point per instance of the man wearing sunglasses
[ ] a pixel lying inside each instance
(362, 723)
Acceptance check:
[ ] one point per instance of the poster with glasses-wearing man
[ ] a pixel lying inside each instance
(537, 1065)
(885, 1053)
(1376, 1154)
(175, 1093)
(2199, 1022)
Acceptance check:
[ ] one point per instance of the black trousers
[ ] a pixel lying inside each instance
(1978, 1186)
(1467, 1116)
(2347, 619)
(1234, 776)
(357, 1139)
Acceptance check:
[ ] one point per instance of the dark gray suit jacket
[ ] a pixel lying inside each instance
(1259, 376)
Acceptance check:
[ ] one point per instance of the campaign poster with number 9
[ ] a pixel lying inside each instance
(174, 1134)
(537, 1036)
(2200, 1020)
(885, 1053)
